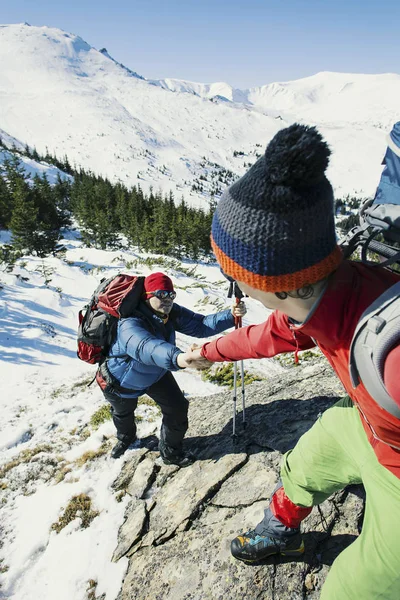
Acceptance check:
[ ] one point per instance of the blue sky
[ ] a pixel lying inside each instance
(245, 43)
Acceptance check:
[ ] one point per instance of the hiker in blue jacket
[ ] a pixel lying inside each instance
(141, 360)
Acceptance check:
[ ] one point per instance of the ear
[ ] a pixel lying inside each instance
(281, 295)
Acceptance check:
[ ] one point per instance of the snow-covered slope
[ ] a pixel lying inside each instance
(59, 92)
(49, 449)
(30, 166)
(331, 98)
(220, 90)
(322, 98)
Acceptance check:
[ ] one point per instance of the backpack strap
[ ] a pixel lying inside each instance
(377, 332)
(112, 382)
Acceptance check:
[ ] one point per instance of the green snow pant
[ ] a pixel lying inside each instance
(334, 453)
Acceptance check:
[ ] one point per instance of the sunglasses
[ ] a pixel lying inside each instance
(162, 294)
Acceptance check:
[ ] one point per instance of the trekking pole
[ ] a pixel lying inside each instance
(235, 290)
(238, 324)
(234, 436)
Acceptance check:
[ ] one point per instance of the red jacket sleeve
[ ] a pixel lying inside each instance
(268, 339)
(391, 374)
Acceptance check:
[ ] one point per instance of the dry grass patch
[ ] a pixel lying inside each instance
(91, 589)
(224, 375)
(85, 433)
(101, 415)
(79, 506)
(83, 383)
(120, 495)
(147, 401)
(93, 454)
(23, 457)
(287, 360)
(3, 567)
(56, 392)
(60, 475)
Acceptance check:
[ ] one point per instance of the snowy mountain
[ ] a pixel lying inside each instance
(210, 91)
(324, 98)
(60, 93)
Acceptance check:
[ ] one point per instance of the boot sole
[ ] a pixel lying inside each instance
(122, 453)
(291, 553)
(297, 552)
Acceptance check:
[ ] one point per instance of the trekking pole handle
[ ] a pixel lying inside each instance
(238, 320)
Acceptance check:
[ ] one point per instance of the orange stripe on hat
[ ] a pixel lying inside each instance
(279, 283)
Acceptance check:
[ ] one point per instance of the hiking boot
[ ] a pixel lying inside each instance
(121, 447)
(252, 547)
(181, 459)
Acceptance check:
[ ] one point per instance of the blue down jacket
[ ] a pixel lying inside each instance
(144, 349)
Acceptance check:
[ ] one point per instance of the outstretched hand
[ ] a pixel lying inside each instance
(192, 359)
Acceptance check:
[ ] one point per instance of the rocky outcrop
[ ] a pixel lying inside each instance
(179, 522)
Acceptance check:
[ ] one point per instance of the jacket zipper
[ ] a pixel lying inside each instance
(374, 434)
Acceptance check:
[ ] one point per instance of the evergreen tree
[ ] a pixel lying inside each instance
(35, 155)
(13, 172)
(94, 206)
(173, 233)
(161, 227)
(46, 239)
(62, 199)
(66, 167)
(45, 201)
(23, 224)
(6, 204)
(131, 220)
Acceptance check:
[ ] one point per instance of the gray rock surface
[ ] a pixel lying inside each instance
(180, 521)
(131, 530)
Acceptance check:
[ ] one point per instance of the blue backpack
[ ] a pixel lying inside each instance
(378, 329)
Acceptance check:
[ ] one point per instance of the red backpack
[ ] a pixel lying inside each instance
(113, 299)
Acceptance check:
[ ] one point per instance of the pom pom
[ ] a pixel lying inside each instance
(297, 156)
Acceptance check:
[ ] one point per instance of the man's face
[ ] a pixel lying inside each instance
(161, 301)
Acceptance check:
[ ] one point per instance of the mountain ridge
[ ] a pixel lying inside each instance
(181, 136)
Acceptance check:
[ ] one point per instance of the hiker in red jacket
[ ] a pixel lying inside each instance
(274, 233)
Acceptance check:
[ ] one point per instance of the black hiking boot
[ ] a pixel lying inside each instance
(171, 456)
(121, 447)
(251, 546)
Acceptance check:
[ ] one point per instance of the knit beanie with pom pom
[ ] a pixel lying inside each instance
(274, 228)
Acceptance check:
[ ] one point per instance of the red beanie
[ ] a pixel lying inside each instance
(158, 281)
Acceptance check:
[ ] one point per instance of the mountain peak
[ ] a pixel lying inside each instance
(60, 93)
